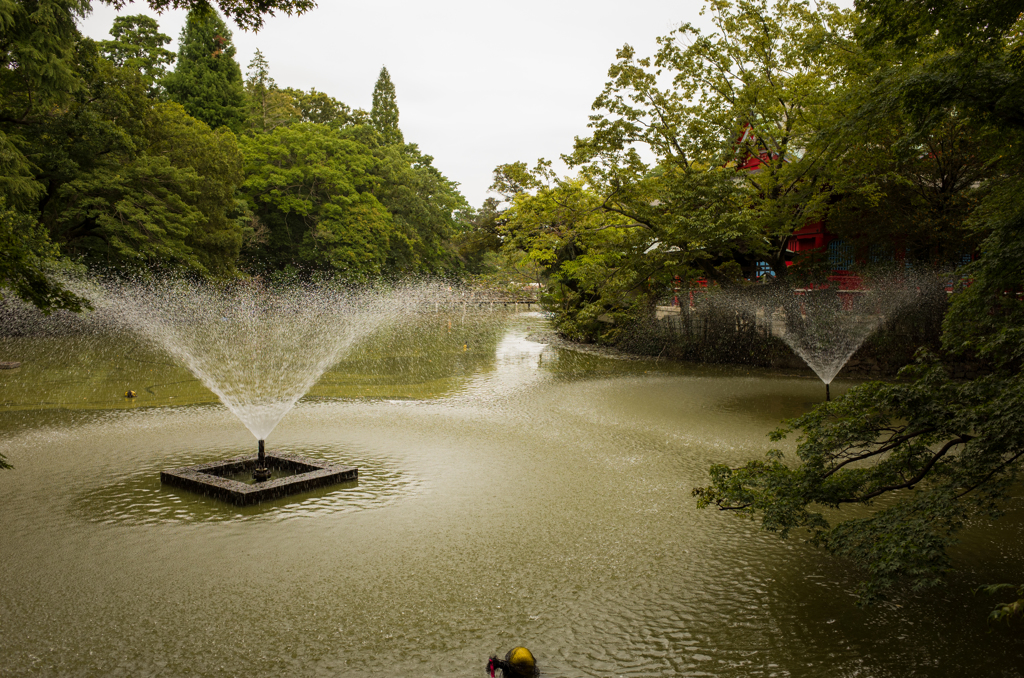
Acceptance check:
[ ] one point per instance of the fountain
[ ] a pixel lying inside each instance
(458, 458)
(259, 349)
(823, 324)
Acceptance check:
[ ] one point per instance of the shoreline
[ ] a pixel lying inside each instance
(558, 341)
(856, 369)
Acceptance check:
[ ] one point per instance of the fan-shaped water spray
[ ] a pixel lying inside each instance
(258, 348)
(825, 324)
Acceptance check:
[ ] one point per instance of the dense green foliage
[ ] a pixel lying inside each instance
(213, 159)
(336, 199)
(138, 44)
(207, 80)
(928, 454)
(247, 14)
(38, 72)
(28, 253)
(309, 187)
(707, 156)
(130, 182)
(426, 207)
(110, 161)
(331, 190)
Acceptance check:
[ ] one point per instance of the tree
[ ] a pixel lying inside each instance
(480, 237)
(939, 452)
(28, 260)
(90, 162)
(323, 109)
(216, 159)
(138, 44)
(598, 262)
(705, 158)
(608, 264)
(310, 187)
(268, 106)
(915, 198)
(207, 80)
(384, 114)
(750, 97)
(38, 74)
(128, 183)
(40, 77)
(424, 205)
(917, 165)
(247, 14)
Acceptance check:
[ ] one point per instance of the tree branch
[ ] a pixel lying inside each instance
(991, 474)
(920, 476)
(890, 445)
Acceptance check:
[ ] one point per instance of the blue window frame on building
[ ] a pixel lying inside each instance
(840, 255)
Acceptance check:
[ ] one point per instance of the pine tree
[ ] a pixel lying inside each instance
(268, 105)
(138, 44)
(207, 81)
(39, 74)
(384, 114)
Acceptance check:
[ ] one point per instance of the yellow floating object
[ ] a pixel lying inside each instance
(522, 662)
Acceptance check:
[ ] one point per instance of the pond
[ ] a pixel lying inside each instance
(509, 493)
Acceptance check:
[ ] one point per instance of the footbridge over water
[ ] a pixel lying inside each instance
(482, 303)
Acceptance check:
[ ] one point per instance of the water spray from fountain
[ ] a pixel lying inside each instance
(258, 348)
(824, 324)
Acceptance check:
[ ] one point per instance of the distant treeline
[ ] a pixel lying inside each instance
(121, 154)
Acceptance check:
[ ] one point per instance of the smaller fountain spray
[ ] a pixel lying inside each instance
(825, 325)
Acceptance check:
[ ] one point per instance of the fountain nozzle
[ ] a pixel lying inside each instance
(261, 472)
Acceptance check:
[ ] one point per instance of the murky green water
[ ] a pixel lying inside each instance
(509, 493)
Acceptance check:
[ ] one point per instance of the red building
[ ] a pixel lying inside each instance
(814, 240)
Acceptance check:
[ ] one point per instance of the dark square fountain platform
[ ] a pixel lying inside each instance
(296, 474)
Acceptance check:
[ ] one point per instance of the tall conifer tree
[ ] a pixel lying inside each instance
(384, 114)
(207, 81)
(138, 44)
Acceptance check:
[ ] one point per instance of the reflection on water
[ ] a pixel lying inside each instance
(509, 493)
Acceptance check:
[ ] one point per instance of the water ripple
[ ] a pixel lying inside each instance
(141, 499)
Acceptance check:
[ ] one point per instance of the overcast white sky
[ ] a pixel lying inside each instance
(478, 83)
